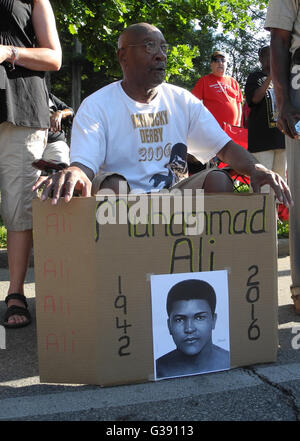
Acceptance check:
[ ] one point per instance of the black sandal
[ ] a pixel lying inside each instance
(16, 310)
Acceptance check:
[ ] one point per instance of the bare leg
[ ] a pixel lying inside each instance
(19, 245)
(217, 182)
(113, 183)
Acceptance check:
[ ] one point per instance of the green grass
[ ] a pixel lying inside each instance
(3, 234)
(3, 237)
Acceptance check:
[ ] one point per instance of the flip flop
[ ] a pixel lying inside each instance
(16, 310)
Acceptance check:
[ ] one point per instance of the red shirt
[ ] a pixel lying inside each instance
(221, 96)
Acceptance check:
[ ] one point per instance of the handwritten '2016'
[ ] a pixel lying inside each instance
(252, 296)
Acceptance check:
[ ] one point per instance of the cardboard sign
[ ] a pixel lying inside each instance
(93, 283)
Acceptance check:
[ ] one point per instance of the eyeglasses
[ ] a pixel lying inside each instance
(220, 60)
(152, 47)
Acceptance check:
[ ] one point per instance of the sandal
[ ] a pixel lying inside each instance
(16, 310)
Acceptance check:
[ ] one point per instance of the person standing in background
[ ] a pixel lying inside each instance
(283, 22)
(220, 93)
(265, 140)
(29, 46)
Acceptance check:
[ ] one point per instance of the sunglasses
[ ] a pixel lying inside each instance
(220, 60)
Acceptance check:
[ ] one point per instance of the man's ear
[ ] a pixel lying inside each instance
(169, 326)
(121, 55)
(214, 319)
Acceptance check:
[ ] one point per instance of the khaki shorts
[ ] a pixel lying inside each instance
(199, 177)
(19, 147)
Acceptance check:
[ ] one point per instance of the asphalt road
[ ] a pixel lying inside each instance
(266, 392)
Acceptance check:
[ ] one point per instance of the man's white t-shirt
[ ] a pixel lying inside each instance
(145, 143)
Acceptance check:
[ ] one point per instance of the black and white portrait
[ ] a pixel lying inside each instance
(190, 321)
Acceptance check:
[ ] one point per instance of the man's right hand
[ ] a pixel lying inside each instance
(55, 121)
(280, 73)
(63, 184)
(287, 119)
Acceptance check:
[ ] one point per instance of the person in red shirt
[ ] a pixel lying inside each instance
(220, 93)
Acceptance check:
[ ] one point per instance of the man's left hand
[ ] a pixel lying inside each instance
(262, 176)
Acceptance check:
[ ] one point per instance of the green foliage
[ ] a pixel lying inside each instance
(180, 61)
(241, 188)
(98, 23)
(242, 49)
(3, 235)
(283, 229)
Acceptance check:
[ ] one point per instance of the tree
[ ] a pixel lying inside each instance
(242, 46)
(185, 24)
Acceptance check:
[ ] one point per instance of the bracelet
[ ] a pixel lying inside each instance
(14, 57)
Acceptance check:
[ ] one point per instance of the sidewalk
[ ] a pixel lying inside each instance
(269, 392)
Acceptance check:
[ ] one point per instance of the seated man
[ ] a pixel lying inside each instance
(140, 129)
(191, 308)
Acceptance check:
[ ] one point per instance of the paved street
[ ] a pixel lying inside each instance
(269, 392)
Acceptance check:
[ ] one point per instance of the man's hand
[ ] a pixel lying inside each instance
(261, 176)
(39, 183)
(63, 183)
(245, 163)
(287, 118)
(280, 72)
(55, 121)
